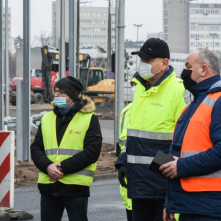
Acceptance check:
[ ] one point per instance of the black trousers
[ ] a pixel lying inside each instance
(129, 215)
(147, 210)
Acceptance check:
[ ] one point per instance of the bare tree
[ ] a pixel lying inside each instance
(43, 39)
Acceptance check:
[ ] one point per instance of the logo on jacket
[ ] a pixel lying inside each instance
(156, 104)
(76, 132)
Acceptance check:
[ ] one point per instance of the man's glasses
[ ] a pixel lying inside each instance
(59, 92)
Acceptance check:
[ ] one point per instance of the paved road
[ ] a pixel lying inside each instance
(107, 128)
(104, 204)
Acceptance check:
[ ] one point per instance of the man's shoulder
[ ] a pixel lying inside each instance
(175, 82)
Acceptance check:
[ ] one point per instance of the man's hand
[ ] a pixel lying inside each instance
(122, 173)
(54, 171)
(168, 216)
(170, 169)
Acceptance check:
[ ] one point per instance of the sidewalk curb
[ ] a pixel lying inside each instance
(105, 176)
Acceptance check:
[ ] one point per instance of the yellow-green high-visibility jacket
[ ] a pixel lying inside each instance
(71, 144)
(124, 120)
(139, 89)
(150, 129)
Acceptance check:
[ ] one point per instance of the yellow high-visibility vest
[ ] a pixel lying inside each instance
(71, 144)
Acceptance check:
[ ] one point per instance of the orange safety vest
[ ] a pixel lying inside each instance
(197, 140)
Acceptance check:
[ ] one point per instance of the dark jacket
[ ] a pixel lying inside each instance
(178, 200)
(90, 154)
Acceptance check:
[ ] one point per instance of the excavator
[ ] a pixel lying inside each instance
(92, 78)
(44, 79)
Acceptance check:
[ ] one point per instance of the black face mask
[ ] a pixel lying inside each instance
(187, 81)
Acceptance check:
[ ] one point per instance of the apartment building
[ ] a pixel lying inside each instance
(93, 25)
(188, 26)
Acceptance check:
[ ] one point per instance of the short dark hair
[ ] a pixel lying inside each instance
(206, 56)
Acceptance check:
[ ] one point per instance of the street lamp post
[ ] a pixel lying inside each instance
(138, 26)
(213, 35)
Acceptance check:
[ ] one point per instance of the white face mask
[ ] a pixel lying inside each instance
(144, 70)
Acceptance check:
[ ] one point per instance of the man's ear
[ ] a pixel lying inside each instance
(205, 70)
(165, 64)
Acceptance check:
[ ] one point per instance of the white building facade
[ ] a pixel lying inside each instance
(205, 26)
(188, 26)
(93, 25)
(10, 43)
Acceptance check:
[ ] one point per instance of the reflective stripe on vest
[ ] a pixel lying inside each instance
(71, 144)
(209, 101)
(216, 174)
(197, 140)
(122, 142)
(149, 135)
(61, 151)
(86, 173)
(124, 150)
(122, 123)
(139, 159)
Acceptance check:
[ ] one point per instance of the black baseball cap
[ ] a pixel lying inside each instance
(153, 48)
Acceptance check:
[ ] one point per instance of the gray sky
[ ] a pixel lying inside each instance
(146, 12)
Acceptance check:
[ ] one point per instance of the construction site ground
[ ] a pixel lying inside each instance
(26, 174)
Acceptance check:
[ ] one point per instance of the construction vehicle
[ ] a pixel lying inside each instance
(95, 86)
(37, 86)
(92, 79)
(42, 80)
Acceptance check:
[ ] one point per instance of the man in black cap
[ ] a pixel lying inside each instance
(65, 150)
(152, 120)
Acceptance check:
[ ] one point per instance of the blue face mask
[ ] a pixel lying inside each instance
(60, 102)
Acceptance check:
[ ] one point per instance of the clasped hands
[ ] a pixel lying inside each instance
(54, 172)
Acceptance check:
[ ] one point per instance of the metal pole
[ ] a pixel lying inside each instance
(72, 38)
(26, 78)
(109, 40)
(62, 68)
(138, 26)
(19, 122)
(120, 69)
(78, 40)
(6, 62)
(121, 26)
(116, 129)
(1, 69)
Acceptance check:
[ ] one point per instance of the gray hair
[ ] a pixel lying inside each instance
(206, 56)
